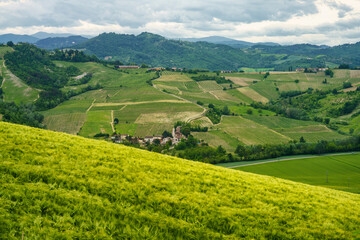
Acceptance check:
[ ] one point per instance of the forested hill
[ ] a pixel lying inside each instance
(59, 42)
(156, 50)
(342, 54)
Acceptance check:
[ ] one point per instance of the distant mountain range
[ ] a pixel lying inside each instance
(214, 53)
(45, 40)
(228, 41)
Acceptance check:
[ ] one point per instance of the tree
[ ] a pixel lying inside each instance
(249, 111)
(116, 121)
(226, 110)
(302, 140)
(297, 81)
(347, 85)
(166, 134)
(211, 105)
(10, 44)
(329, 72)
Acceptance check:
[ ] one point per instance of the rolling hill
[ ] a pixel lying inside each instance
(59, 42)
(55, 185)
(228, 41)
(156, 50)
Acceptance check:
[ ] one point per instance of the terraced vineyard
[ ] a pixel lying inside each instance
(55, 185)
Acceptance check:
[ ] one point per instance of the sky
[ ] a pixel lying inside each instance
(330, 22)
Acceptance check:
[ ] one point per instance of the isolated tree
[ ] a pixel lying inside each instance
(116, 121)
(226, 110)
(10, 44)
(329, 72)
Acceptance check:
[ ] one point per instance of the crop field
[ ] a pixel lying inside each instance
(339, 172)
(66, 122)
(96, 122)
(147, 117)
(244, 82)
(295, 129)
(63, 184)
(176, 77)
(209, 86)
(249, 132)
(202, 122)
(218, 138)
(252, 94)
(266, 88)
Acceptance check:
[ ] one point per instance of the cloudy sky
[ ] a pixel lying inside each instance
(330, 22)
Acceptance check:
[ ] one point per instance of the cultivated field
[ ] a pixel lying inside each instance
(82, 188)
(338, 172)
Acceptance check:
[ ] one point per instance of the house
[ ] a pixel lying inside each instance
(156, 69)
(108, 58)
(177, 135)
(223, 71)
(128, 67)
(300, 69)
(149, 139)
(166, 140)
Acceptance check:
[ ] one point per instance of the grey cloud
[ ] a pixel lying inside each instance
(138, 13)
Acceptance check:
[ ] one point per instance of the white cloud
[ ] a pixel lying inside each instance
(284, 21)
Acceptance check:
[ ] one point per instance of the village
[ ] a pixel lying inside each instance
(164, 139)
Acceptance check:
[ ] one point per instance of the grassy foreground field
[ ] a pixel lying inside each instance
(340, 172)
(58, 186)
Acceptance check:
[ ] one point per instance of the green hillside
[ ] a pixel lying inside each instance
(59, 186)
(339, 171)
(156, 50)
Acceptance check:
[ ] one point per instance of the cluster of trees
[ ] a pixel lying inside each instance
(34, 66)
(256, 152)
(72, 56)
(214, 113)
(203, 77)
(51, 98)
(80, 81)
(187, 128)
(346, 108)
(157, 75)
(21, 114)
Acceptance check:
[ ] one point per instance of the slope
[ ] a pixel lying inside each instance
(55, 185)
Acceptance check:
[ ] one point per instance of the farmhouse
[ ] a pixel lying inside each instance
(177, 135)
(128, 67)
(156, 69)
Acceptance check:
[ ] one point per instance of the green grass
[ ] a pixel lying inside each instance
(55, 185)
(4, 50)
(243, 110)
(338, 172)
